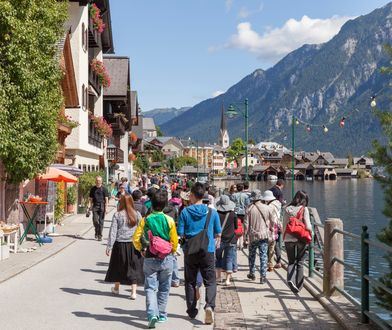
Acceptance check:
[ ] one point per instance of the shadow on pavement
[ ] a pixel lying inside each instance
(92, 292)
(93, 271)
(110, 318)
(103, 264)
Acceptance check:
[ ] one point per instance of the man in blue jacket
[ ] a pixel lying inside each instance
(190, 223)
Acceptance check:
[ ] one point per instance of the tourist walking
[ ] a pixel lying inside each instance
(295, 248)
(277, 190)
(275, 207)
(98, 202)
(193, 222)
(258, 225)
(241, 200)
(156, 237)
(139, 205)
(126, 263)
(226, 253)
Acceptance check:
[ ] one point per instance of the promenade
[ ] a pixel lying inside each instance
(67, 291)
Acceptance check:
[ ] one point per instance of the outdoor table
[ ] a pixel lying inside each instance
(31, 220)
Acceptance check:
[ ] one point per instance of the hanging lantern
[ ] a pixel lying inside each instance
(341, 123)
(308, 128)
(325, 129)
(373, 102)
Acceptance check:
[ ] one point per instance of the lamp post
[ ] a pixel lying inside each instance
(232, 112)
(293, 122)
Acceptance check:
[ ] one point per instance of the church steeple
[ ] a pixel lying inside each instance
(224, 134)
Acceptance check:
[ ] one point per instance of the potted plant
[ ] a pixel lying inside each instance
(71, 199)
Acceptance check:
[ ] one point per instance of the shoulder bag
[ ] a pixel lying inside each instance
(297, 228)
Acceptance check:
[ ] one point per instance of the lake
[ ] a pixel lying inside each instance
(357, 202)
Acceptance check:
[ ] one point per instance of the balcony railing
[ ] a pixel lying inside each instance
(94, 37)
(115, 155)
(118, 124)
(94, 138)
(93, 80)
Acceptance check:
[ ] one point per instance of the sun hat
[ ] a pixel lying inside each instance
(255, 195)
(185, 195)
(224, 204)
(268, 196)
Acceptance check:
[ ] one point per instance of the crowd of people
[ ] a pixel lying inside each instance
(158, 221)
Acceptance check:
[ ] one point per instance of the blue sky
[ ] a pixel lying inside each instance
(185, 51)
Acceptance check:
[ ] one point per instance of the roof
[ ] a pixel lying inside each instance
(118, 70)
(340, 161)
(193, 169)
(259, 168)
(369, 161)
(303, 166)
(148, 124)
(343, 170)
(223, 126)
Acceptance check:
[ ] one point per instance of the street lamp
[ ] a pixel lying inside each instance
(231, 112)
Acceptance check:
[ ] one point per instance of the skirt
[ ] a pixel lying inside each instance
(126, 265)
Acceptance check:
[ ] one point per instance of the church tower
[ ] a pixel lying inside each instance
(224, 134)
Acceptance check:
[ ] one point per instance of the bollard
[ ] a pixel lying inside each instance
(333, 248)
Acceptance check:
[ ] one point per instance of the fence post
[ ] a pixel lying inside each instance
(333, 248)
(364, 272)
(311, 251)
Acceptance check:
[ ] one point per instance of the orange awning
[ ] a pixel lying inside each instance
(54, 174)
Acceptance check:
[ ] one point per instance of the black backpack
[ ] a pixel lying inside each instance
(199, 243)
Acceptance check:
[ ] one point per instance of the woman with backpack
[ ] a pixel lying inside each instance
(126, 263)
(156, 237)
(225, 254)
(295, 247)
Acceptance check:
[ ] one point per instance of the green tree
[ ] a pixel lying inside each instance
(350, 159)
(142, 163)
(382, 154)
(30, 94)
(236, 150)
(179, 162)
(159, 131)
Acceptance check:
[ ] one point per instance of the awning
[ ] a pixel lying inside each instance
(70, 169)
(54, 174)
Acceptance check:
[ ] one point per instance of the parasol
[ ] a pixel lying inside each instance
(57, 175)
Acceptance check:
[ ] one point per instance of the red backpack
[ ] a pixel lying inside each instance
(240, 229)
(296, 227)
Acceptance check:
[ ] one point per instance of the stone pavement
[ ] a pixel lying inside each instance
(268, 306)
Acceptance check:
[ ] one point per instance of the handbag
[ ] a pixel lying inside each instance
(199, 243)
(297, 228)
(158, 246)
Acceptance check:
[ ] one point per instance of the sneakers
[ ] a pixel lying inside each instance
(96, 236)
(152, 321)
(270, 269)
(292, 286)
(263, 280)
(278, 265)
(193, 314)
(251, 276)
(133, 296)
(99, 238)
(162, 319)
(209, 317)
(175, 285)
(115, 291)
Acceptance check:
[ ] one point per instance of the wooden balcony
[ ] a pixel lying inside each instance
(115, 154)
(94, 37)
(93, 81)
(119, 124)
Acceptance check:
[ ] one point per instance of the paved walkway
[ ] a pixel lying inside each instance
(66, 291)
(268, 306)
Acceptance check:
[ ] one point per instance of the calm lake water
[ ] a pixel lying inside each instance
(357, 202)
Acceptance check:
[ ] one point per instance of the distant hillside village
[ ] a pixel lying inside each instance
(265, 159)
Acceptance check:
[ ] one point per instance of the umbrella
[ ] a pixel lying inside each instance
(54, 174)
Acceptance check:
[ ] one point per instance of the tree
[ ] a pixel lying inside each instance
(159, 131)
(30, 94)
(142, 163)
(382, 154)
(179, 162)
(236, 150)
(350, 160)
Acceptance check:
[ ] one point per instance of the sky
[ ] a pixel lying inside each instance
(185, 51)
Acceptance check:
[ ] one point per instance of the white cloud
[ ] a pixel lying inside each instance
(229, 4)
(217, 93)
(245, 12)
(278, 42)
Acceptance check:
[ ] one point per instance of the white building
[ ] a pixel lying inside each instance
(84, 147)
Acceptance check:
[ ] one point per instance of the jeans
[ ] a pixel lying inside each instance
(157, 284)
(235, 262)
(98, 218)
(262, 245)
(205, 263)
(296, 253)
(225, 257)
(176, 275)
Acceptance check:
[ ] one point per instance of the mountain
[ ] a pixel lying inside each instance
(319, 84)
(162, 115)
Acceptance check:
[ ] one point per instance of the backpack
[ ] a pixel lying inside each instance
(240, 229)
(158, 246)
(199, 242)
(297, 228)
